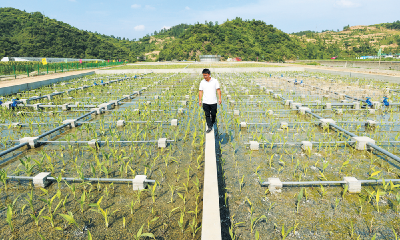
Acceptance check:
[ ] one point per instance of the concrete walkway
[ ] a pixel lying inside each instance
(211, 223)
(23, 84)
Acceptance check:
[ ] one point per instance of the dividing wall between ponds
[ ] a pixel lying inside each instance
(33, 85)
(211, 229)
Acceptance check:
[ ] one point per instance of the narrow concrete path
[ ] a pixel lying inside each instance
(211, 223)
(19, 81)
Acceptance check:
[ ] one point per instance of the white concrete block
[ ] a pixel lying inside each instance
(236, 112)
(339, 111)
(139, 182)
(98, 111)
(243, 125)
(371, 111)
(94, 143)
(284, 125)
(370, 123)
(33, 141)
(288, 102)
(328, 105)
(232, 102)
(376, 105)
(65, 107)
(71, 121)
(317, 102)
(356, 105)
(361, 142)
(254, 145)
(120, 123)
(162, 143)
(181, 110)
(26, 101)
(16, 124)
(326, 122)
(40, 180)
(7, 104)
(270, 112)
(306, 145)
(114, 103)
(275, 185)
(183, 103)
(295, 105)
(353, 185)
(174, 122)
(105, 106)
(302, 110)
(127, 96)
(36, 106)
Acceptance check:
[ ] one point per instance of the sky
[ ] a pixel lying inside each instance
(136, 18)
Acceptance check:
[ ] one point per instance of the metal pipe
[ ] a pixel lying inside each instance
(79, 179)
(13, 148)
(384, 151)
(333, 182)
(53, 130)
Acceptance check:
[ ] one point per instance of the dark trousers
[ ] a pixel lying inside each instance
(210, 111)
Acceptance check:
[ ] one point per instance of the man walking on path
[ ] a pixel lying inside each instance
(207, 92)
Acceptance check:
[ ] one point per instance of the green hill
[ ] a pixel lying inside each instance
(33, 34)
(236, 38)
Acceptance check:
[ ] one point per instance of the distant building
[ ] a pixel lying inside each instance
(210, 58)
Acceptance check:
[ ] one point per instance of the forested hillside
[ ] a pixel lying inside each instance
(32, 34)
(236, 38)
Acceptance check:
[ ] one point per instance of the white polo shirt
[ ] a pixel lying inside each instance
(209, 90)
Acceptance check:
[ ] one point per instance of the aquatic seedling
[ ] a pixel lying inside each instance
(98, 209)
(3, 177)
(172, 188)
(70, 219)
(153, 195)
(241, 183)
(346, 187)
(9, 217)
(150, 221)
(299, 197)
(285, 233)
(344, 165)
(181, 220)
(254, 221)
(49, 204)
(377, 197)
(140, 234)
(36, 218)
(336, 203)
(82, 201)
(71, 187)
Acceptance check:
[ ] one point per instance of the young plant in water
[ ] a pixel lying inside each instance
(98, 209)
(70, 219)
(140, 234)
(299, 197)
(49, 204)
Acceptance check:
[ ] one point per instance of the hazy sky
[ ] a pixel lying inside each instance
(134, 19)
